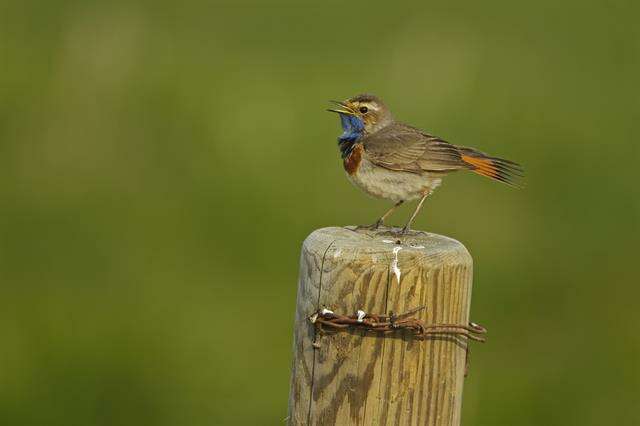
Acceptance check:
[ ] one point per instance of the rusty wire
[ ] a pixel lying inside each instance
(326, 321)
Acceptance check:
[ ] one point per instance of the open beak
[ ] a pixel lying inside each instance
(344, 108)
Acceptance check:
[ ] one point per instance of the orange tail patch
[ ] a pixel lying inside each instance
(495, 168)
(482, 166)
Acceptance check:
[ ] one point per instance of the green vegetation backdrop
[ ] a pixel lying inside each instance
(161, 163)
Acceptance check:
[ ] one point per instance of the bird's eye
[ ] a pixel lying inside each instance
(364, 109)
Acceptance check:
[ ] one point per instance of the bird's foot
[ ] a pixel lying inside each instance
(406, 231)
(371, 227)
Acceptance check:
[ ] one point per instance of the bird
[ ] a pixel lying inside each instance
(394, 161)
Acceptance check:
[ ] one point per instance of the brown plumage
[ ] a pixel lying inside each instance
(391, 160)
(404, 148)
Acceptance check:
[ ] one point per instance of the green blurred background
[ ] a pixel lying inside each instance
(161, 163)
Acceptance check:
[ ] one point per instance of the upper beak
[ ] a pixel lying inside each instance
(345, 108)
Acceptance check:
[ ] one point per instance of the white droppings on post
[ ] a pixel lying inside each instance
(394, 263)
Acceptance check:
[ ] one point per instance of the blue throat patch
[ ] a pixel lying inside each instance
(353, 128)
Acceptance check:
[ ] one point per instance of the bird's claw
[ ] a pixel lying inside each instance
(371, 227)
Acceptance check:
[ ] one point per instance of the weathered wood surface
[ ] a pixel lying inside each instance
(362, 378)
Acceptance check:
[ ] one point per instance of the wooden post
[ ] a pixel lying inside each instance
(361, 377)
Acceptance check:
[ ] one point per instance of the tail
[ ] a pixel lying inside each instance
(492, 167)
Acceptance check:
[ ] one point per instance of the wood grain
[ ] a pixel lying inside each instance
(362, 378)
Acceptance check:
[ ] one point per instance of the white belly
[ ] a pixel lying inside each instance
(392, 185)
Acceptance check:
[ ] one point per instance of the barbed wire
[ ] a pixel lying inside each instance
(325, 320)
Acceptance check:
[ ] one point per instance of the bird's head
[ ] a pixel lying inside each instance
(362, 114)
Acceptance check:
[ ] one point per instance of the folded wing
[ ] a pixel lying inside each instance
(405, 148)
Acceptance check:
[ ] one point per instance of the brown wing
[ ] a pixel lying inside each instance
(401, 147)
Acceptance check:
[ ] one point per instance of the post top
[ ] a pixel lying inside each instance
(386, 242)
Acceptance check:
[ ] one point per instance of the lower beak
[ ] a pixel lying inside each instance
(340, 111)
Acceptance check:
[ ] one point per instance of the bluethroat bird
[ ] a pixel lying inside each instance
(397, 162)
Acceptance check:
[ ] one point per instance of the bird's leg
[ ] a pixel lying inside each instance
(384, 216)
(415, 213)
(380, 221)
